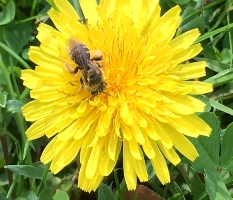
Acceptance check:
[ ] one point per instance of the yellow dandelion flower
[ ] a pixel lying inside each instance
(146, 108)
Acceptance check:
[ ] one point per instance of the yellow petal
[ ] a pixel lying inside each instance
(199, 87)
(129, 172)
(170, 154)
(89, 10)
(140, 169)
(66, 155)
(190, 70)
(182, 144)
(48, 153)
(135, 149)
(148, 149)
(88, 184)
(94, 159)
(113, 144)
(190, 125)
(160, 166)
(65, 7)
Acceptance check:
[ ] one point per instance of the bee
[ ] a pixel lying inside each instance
(92, 78)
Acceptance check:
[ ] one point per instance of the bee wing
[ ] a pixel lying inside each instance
(71, 42)
(95, 67)
(74, 46)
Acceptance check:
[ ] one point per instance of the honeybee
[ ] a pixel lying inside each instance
(92, 78)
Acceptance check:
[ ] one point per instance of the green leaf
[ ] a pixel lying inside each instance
(8, 13)
(51, 3)
(3, 99)
(78, 9)
(221, 30)
(226, 176)
(31, 196)
(15, 31)
(35, 170)
(6, 55)
(211, 53)
(105, 193)
(188, 14)
(219, 75)
(46, 194)
(26, 3)
(226, 147)
(25, 54)
(215, 65)
(3, 196)
(206, 100)
(14, 106)
(3, 179)
(66, 185)
(196, 185)
(15, 70)
(229, 165)
(226, 56)
(221, 107)
(176, 191)
(61, 195)
(181, 1)
(194, 23)
(26, 147)
(215, 186)
(2, 80)
(207, 147)
(53, 183)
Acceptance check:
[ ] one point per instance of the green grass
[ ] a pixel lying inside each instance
(22, 176)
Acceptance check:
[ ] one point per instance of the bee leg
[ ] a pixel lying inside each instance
(75, 70)
(94, 94)
(96, 55)
(81, 81)
(82, 84)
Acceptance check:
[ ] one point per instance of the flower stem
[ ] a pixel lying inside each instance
(14, 55)
(118, 194)
(217, 31)
(6, 158)
(19, 118)
(34, 5)
(43, 180)
(230, 39)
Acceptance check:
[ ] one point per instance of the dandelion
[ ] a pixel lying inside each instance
(147, 107)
